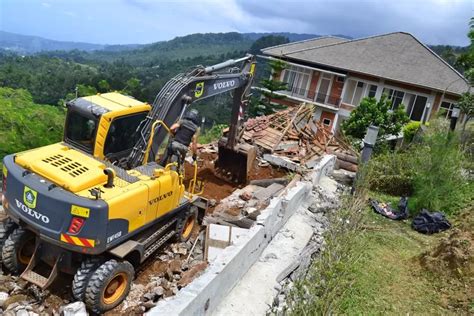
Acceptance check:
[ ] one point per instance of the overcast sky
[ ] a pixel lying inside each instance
(145, 21)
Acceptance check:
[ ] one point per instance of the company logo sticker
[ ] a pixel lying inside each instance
(199, 89)
(29, 197)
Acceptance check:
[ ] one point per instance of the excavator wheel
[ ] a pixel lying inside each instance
(18, 250)
(109, 285)
(83, 275)
(187, 224)
(6, 227)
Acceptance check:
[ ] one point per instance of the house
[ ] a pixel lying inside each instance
(334, 74)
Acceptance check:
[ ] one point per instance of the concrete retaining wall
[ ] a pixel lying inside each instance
(205, 293)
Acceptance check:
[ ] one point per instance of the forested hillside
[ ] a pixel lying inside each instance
(25, 124)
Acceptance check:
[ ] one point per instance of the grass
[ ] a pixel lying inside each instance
(387, 278)
(378, 272)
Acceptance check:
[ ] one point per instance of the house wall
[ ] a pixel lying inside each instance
(313, 85)
(336, 89)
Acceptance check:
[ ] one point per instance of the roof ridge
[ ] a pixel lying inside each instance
(345, 42)
(302, 41)
(442, 60)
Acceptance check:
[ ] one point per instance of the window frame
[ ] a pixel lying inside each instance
(298, 76)
(67, 140)
(108, 131)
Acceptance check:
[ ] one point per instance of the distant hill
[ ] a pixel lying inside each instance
(26, 44)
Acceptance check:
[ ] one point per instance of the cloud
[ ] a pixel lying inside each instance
(434, 21)
(46, 4)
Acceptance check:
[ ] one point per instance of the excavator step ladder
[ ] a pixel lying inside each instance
(34, 277)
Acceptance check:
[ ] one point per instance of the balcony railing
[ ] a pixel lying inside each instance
(312, 96)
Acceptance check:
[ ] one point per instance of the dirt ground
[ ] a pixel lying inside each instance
(217, 188)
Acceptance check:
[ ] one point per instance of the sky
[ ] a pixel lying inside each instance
(147, 21)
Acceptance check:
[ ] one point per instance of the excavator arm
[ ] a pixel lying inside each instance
(184, 89)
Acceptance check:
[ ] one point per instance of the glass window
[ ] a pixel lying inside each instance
(122, 134)
(349, 93)
(359, 91)
(395, 96)
(372, 91)
(80, 130)
(449, 108)
(297, 79)
(354, 92)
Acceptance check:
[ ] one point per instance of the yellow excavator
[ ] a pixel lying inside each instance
(97, 204)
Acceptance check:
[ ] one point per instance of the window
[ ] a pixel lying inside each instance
(354, 92)
(80, 130)
(416, 106)
(372, 91)
(339, 79)
(297, 79)
(122, 134)
(327, 122)
(395, 96)
(448, 106)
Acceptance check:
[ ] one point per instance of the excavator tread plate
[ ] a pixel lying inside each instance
(35, 278)
(158, 243)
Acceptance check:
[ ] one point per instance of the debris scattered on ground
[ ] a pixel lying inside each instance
(293, 138)
(430, 223)
(385, 209)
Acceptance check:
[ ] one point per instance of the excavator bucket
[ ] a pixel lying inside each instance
(234, 165)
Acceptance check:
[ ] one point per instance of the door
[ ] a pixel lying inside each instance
(323, 90)
(418, 108)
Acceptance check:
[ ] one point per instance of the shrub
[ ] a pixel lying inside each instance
(214, 133)
(410, 130)
(392, 173)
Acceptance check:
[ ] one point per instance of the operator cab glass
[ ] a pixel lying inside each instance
(81, 130)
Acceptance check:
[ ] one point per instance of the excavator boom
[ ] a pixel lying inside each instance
(181, 91)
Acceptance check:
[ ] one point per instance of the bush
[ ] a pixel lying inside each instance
(214, 133)
(410, 130)
(392, 173)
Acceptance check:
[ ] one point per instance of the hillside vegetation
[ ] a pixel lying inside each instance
(25, 124)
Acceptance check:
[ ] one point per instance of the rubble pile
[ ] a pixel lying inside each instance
(295, 135)
(242, 207)
(172, 269)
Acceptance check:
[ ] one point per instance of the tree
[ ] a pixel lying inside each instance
(132, 87)
(103, 86)
(378, 113)
(263, 105)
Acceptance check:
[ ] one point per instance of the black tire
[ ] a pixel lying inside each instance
(99, 297)
(14, 255)
(82, 277)
(6, 227)
(186, 225)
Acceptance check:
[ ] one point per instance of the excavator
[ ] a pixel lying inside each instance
(97, 204)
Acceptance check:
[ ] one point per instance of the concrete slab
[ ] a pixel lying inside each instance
(268, 192)
(255, 291)
(221, 233)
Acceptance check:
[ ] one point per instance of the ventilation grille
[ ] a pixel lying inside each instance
(66, 164)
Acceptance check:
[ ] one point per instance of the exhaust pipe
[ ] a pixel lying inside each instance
(110, 173)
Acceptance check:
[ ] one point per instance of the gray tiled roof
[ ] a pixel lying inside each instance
(396, 56)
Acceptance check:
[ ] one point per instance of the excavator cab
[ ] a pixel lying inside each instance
(104, 125)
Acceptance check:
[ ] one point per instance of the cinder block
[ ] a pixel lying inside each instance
(323, 168)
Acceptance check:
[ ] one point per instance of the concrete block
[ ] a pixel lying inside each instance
(323, 168)
(282, 162)
(268, 192)
(221, 233)
(285, 145)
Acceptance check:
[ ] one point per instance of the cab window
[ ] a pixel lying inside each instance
(122, 135)
(80, 130)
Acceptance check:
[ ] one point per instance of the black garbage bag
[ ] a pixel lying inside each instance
(430, 223)
(386, 209)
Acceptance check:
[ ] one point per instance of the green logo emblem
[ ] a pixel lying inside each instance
(199, 89)
(29, 197)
